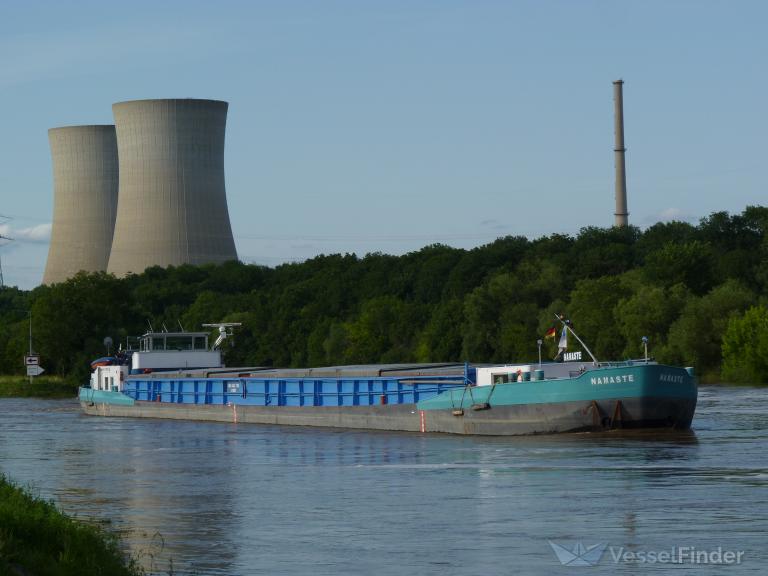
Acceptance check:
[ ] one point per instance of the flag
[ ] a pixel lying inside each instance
(551, 333)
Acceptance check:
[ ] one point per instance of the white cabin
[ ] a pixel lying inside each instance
(109, 378)
(488, 375)
(174, 350)
(503, 374)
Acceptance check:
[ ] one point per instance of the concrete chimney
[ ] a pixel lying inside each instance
(621, 214)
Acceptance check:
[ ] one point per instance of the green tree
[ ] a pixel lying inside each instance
(482, 313)
(676, 283)
(592, 310)
(690, 264)
(440, 340)
(383, 332)
(517, 333)
(663, 233)
(336, 343)
(604, 251)
(696, 337)
(649, 312)
(71, 319)
(501, 321)
(208, 307)
(736, 241)
(745, 347)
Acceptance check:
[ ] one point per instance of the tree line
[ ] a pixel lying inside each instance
(697, 292)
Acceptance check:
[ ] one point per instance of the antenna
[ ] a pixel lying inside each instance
(225, 331)
(180, 326)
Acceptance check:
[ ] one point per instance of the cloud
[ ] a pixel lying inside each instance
(38, 234)
(669, 215)
(493, 224)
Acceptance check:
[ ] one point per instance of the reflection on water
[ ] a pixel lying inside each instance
(246, 499)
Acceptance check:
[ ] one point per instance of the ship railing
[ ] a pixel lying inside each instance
(627, 363)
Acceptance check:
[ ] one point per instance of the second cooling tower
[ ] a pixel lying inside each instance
(172, 206)
(85, 178)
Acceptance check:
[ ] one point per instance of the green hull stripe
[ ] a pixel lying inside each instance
(104, 397)
(650, 381)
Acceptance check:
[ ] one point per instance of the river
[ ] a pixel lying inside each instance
(232, 499)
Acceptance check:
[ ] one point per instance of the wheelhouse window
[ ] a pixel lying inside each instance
(174, 341)
(178, 342)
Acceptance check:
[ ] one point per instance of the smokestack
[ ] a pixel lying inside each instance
(621, 214)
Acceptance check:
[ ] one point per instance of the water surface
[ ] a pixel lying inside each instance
(244, 499)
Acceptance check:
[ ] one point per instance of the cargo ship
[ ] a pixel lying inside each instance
(176, 375)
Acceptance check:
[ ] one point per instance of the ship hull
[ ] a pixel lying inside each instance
(639, 397)
(621, 413)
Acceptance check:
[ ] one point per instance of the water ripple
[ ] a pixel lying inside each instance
(227, 499)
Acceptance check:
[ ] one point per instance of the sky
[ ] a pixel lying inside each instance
(388, 125)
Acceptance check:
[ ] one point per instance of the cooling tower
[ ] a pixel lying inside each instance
(85, 177)
(172, 205)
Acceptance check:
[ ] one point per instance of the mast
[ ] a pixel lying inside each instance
(567, 326)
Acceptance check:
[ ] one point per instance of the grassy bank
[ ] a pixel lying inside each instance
(37, 539)
(41, 387)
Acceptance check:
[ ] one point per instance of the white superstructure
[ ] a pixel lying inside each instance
(109, 377)
(174, 350)
(488, 375)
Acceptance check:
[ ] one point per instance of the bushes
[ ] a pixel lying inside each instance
(35, 538)
(745, 347)
(41, 387)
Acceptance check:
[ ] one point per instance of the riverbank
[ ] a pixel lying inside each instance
(41, 387)
(35, 538)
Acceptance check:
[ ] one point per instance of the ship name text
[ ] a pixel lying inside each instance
(621, 378)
